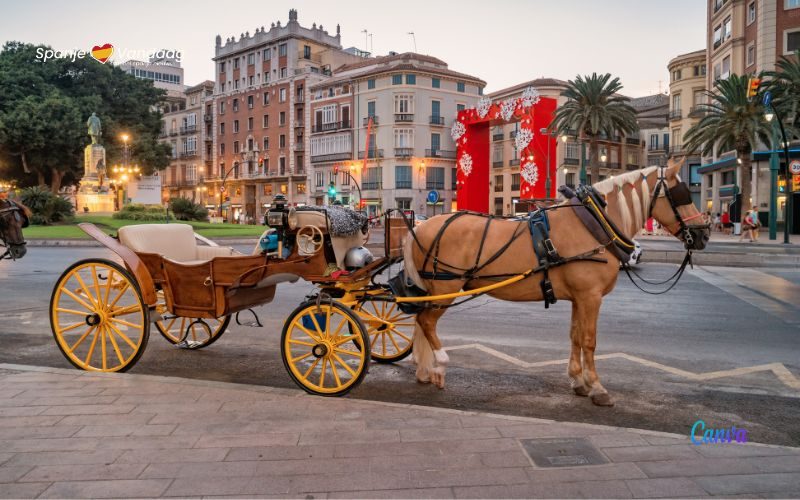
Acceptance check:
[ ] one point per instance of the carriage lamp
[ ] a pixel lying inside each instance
(275, 214)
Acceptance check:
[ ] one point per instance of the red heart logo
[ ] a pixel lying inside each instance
(101, 53)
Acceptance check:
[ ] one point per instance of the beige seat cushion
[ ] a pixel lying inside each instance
(173, 241)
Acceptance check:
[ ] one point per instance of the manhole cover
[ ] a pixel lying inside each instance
(563, 452)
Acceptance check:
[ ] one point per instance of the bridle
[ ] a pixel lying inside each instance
(12, 209)
(677, 196)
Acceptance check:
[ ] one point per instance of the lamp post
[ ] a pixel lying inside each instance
(787, 209)
(349, 173)
(222, 188)
(547, 183)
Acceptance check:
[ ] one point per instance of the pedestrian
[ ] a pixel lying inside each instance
(750, 226)
(717, 226)
(727, 225)
(648, 227)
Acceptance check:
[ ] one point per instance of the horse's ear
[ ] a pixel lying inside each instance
(674, 166)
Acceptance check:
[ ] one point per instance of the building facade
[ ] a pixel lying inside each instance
(652, 115)
(260, 117)
(385, 123)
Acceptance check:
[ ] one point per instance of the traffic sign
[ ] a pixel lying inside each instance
(767, 98)
(433, 197)
(794, 167)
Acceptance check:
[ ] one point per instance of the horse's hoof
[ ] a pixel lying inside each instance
(581, 391)
(602, 399)
(437, 377)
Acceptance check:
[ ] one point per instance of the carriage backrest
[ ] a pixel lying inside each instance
(173, 241)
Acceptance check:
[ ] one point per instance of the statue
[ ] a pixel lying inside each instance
(94, 128)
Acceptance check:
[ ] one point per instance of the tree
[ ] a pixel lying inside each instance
(732, 121)
(594, 107)
(43, 113)
(785, 85)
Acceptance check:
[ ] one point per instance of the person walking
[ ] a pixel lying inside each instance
(750, 226)
(717, 224)
(727, 225)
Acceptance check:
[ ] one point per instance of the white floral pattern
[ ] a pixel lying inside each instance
(524, 137)
(483, 106)
(530, 172)
(507, 109)
(530, 96)
(458, 130)
(466, 164)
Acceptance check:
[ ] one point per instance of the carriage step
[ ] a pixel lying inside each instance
(256, 323)
(188, 344)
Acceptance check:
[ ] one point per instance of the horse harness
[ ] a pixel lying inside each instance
(18, 213)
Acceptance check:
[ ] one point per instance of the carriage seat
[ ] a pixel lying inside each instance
(341, 244)
(175, 242)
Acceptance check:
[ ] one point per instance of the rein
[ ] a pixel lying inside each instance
(16, 210)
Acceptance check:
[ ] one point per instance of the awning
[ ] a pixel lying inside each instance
(717, 165)
(764, 155)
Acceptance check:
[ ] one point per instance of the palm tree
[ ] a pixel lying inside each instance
(732, 121)
(785, 86)
(593, 107)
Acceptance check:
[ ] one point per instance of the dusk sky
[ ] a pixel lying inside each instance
(504, 42)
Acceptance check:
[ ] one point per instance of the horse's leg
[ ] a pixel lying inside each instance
(574, 369)
(428, 353)
(588, 312)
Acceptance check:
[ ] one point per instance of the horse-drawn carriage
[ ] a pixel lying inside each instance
(101, 312)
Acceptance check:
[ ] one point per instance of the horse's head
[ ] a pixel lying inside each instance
(13, 217)
(671, 205)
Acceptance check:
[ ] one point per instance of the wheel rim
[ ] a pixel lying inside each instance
(173, 328)
(389, 329)
(320, 350)
(98, 318)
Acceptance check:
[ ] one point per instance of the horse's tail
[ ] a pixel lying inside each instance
(408, 260)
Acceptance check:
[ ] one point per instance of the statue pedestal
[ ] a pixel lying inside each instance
(92, 194)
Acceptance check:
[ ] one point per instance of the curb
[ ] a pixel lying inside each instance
(92, 243)
(723, 258)
(298, 393)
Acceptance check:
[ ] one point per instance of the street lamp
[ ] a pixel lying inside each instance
(547, 184)
(769, 114)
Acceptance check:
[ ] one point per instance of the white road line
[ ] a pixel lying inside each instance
(778, 369)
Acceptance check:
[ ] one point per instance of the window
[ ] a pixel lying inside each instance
(282, 118)
(371, 108)
(751, 13)
(402, 177)
(235, 147)
(222, 149)
(282, 171)
(791, 40)
(666, 141)
(461, 87)
(727, 178)
(235, 105)
(726, 67)
(266, 77)
(404, 138)
(676, 75)
(411, 79)
(222, 67)
(306, 52)
(236, 84)
(282, 95)
(251, 58)
(236, 63)
(282, 50)
(222, 107)
(345, 179)
(436, 83)
(676, 138)
(268, 189)
(301, 188)
(751, 54)
(371, 179)
(284, 187)
(371, 83)
(436, 142)
(676, 102)
(267, 54)
(249, 102)
(327, 113)
(265, 121)
(653, 141)
(699, 97)
(397, 79)
(319, 179)
(498, 206)
(717, 36)
(282, 141)
(434, 178)
(498, 183)
(284, 72)
(250, 123)
(461, 107)
(250, 144)
(265, 100)
(792, 4)
(573, 151)
(266, 143)
(727, 28)
(436, 109)
(235, 126)
(453, 178)
(717, 71)
(403, 203)
(403, 104)
(222, 128)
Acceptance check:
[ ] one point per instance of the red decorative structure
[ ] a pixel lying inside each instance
(471, 133)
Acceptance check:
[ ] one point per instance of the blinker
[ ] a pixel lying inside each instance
(680, 194)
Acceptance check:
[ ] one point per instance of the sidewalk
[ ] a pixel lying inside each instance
(66, 434)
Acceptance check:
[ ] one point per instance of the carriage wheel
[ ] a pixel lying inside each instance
(174, 328)
(98, 317)
(325, 348)
(390, 330)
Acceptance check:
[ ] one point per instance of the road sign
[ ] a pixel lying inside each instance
(794, 167)
(767, 98)
(433, 197)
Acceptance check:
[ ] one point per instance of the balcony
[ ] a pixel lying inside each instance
(634, 141)
(328, 127)
(497, 164)
(299, 146)
(403, 152)
(299, 98)
(189, 129)
(497, 137)
(162, 134)
(674, 150)
(332, 157)
(173, 133)
(403, 118)
(513, 162)
(299, 124)
(207, 118)
(437, 120)
(571, 161)
(655, 147)
(613, 164)
(698, 111)
(512, 134)
(374, 120)
(373, 153)
(188, 154)
(440, 153)
(675, 114)
(434, 185)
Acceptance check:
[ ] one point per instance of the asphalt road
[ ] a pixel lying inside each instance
(671, 355)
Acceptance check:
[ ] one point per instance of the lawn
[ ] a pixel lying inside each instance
(109, 225)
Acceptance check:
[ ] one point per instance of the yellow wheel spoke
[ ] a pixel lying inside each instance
(311, 368)
(84, 288)
(322, 374)
(71, 327)
(300, 358)
(96, 284)
(71, 311)
(344, 339)
(91, 348)
(119, 295)
(126, 323)
(316, 325)
(301, 342)
(103, 347)
(383, 341)
(391, 308)
(109, 281)
(345, 351)
(115, 345)
(335, 373)
(80, 340)
(168, 328)
(339, 328)
(307, 332)
(397, 332)
(391, 337)
(122, 311)
(346, 367)
(123, 336)
(78, 299)
(194, 333)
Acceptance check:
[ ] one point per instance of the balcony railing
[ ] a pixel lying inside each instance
(437, 120)
(373, 153)
(207, 118)
(633, 140)
(189, 129)
(331, 157)
(403, 117)
(371, 185)
(299, 146)
(676, 149)
(513, 162)
(403, 152)
(497, 164)
(655, 147)
(402, 185)
(675, 114)
(613, 164)
(299, 98)
(497, 137)
(440, 153)
(374, 120)
(434, 185)
(697, 111)
(173, 133)
(162, 134)
(299, 124)
(572, 161)
(327, 127)
(188, 154)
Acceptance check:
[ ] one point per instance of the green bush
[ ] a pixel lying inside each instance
(185, 209)
(137, 211)
(46, 206)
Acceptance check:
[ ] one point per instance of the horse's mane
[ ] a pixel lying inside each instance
(608, 186)
(28, 211)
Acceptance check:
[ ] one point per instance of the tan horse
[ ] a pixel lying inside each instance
(583, 283)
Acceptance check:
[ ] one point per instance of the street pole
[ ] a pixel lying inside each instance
(787, 207)
(547, 184)
(582, 176)
(774, 165)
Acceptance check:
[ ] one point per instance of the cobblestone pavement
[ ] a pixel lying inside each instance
(68, 434)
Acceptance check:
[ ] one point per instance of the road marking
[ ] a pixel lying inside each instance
(778, 369)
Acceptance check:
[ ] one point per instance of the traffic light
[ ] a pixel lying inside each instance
(335, 169)
(261, 163)
(332, 190)
(752, 86)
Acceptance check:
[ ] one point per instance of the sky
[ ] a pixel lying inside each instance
(503, 42)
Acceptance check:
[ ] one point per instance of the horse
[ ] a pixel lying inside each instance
(13, 217)
(507, 250)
